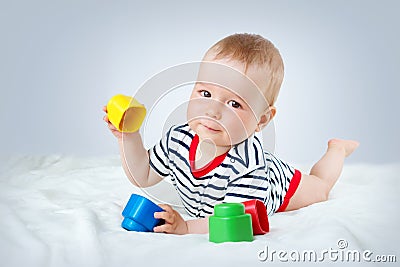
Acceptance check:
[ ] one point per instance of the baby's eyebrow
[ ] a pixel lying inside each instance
(202, 84)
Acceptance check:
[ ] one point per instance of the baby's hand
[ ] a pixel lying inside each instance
(174, 223)
(112, 128)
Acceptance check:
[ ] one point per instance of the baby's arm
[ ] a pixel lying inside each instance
(198, 226)
(175, 224)
(135, 161)
(134, 157)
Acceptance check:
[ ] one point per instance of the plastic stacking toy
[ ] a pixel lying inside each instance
(125, 113)
(259, 216)
(139, 214)
(230, 224)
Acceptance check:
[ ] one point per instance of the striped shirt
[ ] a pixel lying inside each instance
(245, 172)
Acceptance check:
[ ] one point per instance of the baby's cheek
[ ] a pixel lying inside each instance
(236, 130)
(248, 124)
(191, 113)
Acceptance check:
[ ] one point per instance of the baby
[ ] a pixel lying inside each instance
(216, 156)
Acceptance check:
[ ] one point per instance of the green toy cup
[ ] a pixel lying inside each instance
(230, 224)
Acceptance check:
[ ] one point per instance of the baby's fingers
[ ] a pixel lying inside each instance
(110, 125)
(165, 228)
(168, 217)
(105, 118)
(166, 207)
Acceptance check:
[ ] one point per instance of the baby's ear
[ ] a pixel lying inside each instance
(266, 117)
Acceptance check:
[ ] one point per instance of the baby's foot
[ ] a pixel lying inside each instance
(348, 146)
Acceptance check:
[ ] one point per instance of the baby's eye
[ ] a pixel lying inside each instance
(205, 93)
(234, 104)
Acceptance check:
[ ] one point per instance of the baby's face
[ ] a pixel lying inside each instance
(228, 113)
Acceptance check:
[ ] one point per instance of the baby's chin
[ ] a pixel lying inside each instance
(218, 141)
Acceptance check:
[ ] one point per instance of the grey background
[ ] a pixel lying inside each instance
(60, 62)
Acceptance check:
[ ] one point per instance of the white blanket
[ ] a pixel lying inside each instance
(63, 211)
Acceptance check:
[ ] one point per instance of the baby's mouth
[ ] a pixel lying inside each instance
(210, 127)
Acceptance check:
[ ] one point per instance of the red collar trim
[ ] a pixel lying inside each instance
(209, 167)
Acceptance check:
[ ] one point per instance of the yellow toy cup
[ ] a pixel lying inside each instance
(125, 113)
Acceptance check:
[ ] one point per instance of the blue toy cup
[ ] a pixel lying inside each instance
(139, 214)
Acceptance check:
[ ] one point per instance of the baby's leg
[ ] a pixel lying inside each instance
(316, 186)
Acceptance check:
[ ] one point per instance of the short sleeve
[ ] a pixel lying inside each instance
(158, 155)
(283, 179)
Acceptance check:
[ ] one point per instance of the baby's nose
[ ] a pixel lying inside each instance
(214, 110)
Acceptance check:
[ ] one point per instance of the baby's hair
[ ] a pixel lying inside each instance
(253, 49)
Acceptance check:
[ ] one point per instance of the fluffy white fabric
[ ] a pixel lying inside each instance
(63, 211)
